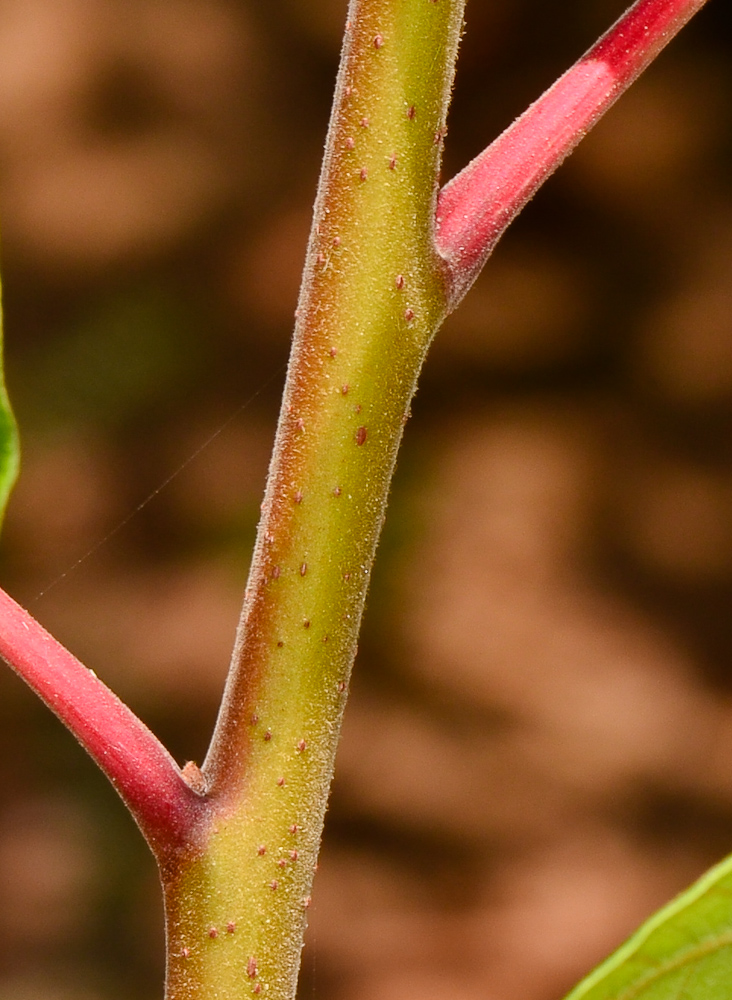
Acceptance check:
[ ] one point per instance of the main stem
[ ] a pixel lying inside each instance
(373, 294)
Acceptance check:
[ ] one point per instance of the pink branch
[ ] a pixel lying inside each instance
(138, 765)
(476, 206)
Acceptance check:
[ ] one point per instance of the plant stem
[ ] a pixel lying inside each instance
(476, 206)
(166, 809)
(372, 297)
(237, 842)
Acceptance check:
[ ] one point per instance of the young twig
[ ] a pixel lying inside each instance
(475, 208)
(166, 809)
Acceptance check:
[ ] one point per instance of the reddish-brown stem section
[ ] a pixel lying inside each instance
(138, 765)
(477, 205)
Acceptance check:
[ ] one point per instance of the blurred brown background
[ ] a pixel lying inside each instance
(538, 747)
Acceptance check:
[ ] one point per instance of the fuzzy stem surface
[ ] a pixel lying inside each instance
(373, 295)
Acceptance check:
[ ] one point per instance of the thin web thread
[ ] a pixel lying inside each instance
(158, 489)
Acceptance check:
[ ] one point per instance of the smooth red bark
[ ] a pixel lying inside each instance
(138, 765)
(476, 206)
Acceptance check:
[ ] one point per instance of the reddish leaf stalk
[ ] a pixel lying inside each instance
(475, 207)
(147, 778)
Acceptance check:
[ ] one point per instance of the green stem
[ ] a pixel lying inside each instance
(373, 295)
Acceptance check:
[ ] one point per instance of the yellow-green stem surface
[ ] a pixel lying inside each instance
(373, 295)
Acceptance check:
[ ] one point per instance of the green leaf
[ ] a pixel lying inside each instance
(9, 450)
(684, 952)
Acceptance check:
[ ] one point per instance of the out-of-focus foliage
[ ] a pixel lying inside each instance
(8, 442)
(538, 750)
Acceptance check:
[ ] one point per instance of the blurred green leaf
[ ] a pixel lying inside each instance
(125, 355)
(9, 451)
(683, 951)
